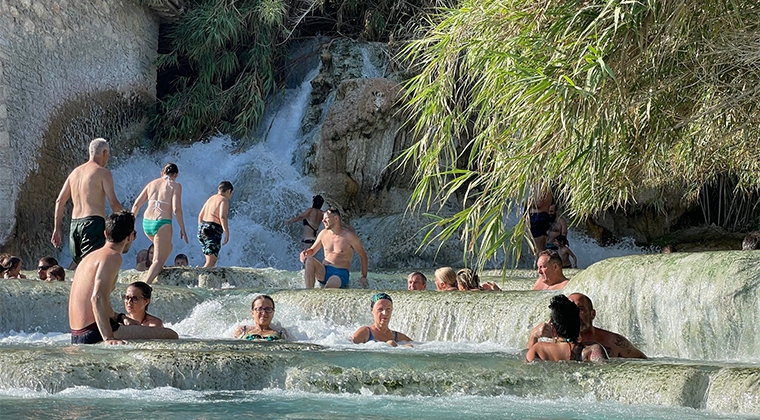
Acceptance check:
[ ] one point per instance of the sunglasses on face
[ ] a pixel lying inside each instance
(263, 310)
(43, 267)
(131, 299)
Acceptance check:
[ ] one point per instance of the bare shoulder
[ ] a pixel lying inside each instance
(361, 335)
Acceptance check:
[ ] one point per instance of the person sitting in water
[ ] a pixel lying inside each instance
(312, 218)
(550, 276)
(615, 344)
(55, 273)
(136, 301)
(416, 281)
(262, 311)
(445, 279)
(565, 323)
(181, 261)
(142, 263)
(43, 265)
(381, 305)
(565, 253)
(467, 279)
(11, 268)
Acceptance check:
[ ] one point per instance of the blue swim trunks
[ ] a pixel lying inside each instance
(330, 271)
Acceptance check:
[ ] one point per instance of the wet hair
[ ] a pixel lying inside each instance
(553, 256)
(9, 263)
(333, 210)
(468, 279)
(225, 186)
(181, 257)
(119, 226)
(379, 296)
(562, 240)
(259, 297)
(56, 271)
(145, 288)
(317, 201)
(447, 275)
(170, 168)
(49, 261)
(417, 273)
(97, 146)
(751, 241)
(565, 317)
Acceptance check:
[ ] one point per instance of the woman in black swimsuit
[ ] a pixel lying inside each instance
(311, 217)
(566, 324)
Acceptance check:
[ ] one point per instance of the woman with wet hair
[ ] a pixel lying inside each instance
(262, 311)
(164, 198)
(11, 267)
(136, 301)
(445, 279)
(566, 328)
(381, 306)
(467, 279)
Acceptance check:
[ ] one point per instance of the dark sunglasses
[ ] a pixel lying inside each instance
(131, 299)
(43, 267)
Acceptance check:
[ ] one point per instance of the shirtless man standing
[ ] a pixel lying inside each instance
(91, 317)
(339, 244)
(212, 223)
(88, 186)
(550, 276)
(615, 344)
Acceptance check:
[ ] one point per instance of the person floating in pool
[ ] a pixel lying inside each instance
(262, 311)
(136, 301)
(381, 305)
(566, 325)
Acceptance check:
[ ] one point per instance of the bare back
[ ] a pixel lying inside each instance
(102, 264)
(160, 194)
(339, 248)
(213, 210)
(615, 344)
(89, 184)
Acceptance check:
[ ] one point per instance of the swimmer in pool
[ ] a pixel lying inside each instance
(262, 311)
(136, 301)
(382, 309)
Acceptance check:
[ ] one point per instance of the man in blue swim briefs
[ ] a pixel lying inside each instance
(339, 245)
(88, 186)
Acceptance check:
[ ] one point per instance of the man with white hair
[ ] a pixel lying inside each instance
(87, 186)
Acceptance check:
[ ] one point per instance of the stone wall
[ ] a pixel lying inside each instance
(70, 71)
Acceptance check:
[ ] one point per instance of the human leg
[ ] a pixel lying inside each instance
(162, 248)
(335, 278)
(313, 270)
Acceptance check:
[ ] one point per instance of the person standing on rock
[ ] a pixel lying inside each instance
(213, 223)
(311, 217)
(88, 186)
(340, 245)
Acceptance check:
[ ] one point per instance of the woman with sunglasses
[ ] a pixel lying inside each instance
(381, 305)
(262, 311)
(136, 301)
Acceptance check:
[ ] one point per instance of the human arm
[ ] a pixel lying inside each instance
(594, 353)
(624, 348)
(224, 208)
(152, 321)
(110, 193)
(316, 246)
(294, 219)
(575, 259)
(543, 329)
(489, 285)
(139, 201)
(361, 335)
(60, 203)
(105, 278)
(359, 249)
(177, 206)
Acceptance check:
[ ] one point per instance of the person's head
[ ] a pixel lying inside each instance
(137, 297)
(43, 265)
(317, 201)
(669, 248)
(262, 310)
(445, 278)
(181, 260)
(99, 151)
(553, 211)
(171, 170)
(751, 241)
(55, 273)
(586, 307)
(467, 280)
(331, 217)
(416, 281)
(565, 317)
(225, 187)
(12, 266)
(381, 305)
(561, 240)
(550, 266)
(142, 256)
(120, 227)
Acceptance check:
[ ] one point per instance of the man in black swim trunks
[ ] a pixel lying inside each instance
(212, 223)
(540, 219)
(91, 317)
(88, 186)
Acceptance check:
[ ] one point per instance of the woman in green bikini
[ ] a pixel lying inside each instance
(164, 197)
(262, 311)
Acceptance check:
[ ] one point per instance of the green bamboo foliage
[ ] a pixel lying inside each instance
(600, 100)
